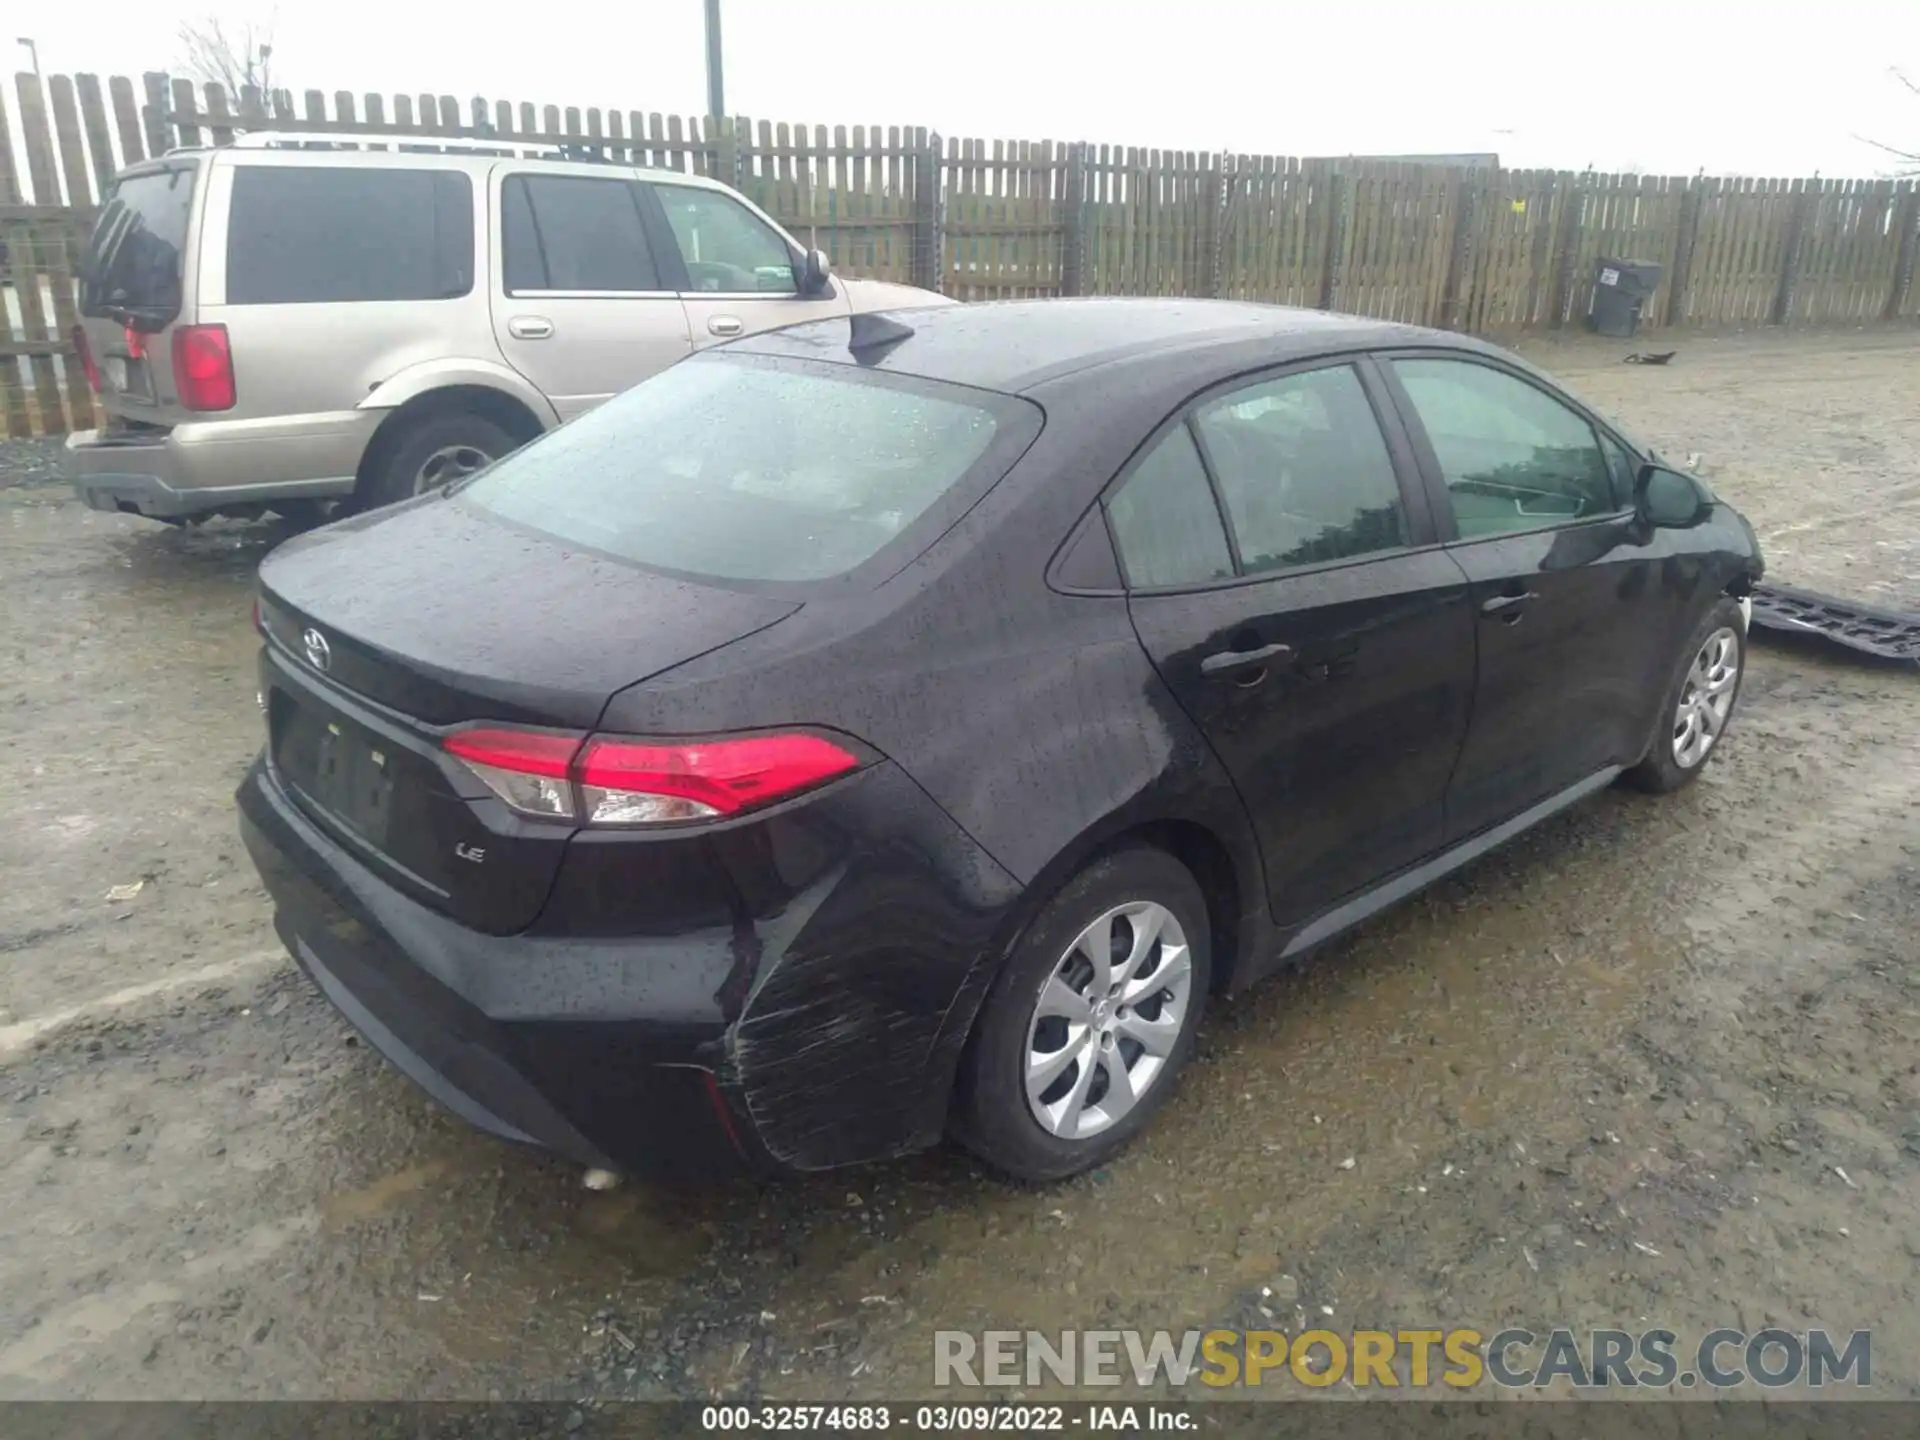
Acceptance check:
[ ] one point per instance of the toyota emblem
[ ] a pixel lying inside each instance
(319, 653)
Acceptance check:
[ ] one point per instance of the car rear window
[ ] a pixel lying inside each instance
(310, 234)
(133, 262)
(735, 469)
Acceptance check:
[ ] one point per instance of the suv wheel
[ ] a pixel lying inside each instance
(435, 452)
(1699, 704)
(1081, 1037)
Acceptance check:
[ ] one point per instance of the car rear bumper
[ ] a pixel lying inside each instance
(472, 1019)
(776, 1044)
(203, 467)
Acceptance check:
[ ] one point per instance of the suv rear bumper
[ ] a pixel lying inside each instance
(201, 468)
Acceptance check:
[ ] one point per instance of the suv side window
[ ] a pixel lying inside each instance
(314, 234)
(1303, 470)
(573, 232)
(727, 248)
(1165, 523)
(1513, 457)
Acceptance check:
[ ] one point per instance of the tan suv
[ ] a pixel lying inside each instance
(273, 326)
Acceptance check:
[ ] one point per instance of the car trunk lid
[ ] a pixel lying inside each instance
(434, 617)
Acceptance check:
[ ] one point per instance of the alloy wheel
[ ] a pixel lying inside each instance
(1107, 1019)
(1706, 698)
(447, 464)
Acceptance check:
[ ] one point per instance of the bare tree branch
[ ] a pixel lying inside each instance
(1910, 157)
(1913, 155)
(233, 59)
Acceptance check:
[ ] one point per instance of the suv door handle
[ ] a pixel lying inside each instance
(725, 325)
(1506, 602)
(529, 327)
(1225, 660)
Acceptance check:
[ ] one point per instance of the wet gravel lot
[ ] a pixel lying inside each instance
(1611, 1075)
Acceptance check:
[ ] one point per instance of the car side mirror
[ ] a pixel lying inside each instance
(1670, 500)
(814, 272)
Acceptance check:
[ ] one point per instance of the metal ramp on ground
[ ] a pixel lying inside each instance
(1890, 634)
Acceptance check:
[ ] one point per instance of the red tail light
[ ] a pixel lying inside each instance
(627, 782)
(85, 352)
(529, 770)
(607, 780)
(203, 367)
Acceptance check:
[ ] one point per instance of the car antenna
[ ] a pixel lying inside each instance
(872, 335)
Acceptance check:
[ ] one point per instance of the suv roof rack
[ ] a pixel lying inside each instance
(480, 144)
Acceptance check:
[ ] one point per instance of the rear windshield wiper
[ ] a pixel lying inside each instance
(147, 319)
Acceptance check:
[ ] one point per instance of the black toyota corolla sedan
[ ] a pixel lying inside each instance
(872, 732)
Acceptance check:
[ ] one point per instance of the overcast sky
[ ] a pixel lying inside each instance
(1673, 87)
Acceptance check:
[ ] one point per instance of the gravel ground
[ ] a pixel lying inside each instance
(1609, 1076)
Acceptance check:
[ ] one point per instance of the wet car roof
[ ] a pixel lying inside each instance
(1016, 345)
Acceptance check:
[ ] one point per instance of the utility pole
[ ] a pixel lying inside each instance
(716, 88)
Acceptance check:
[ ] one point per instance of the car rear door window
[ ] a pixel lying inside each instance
(1166, 525)
(315, 234)
(569, 232)
(1513, 457)
(727, 248)
(1303, 470)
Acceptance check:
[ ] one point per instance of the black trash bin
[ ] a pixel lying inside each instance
(1621, 289)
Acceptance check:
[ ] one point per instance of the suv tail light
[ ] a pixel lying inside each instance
(611, 780)
(203, 367)
(85, 352)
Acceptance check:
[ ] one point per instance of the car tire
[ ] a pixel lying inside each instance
(430, 453)
(1024, 1027)
(1699, 703)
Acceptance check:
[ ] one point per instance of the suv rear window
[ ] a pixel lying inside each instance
(132, 268)
(310, 234)
(732, 469)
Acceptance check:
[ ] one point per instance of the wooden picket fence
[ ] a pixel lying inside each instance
(1471, 248)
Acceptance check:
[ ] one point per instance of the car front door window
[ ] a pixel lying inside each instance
(1513, 457)
(727, 249)
(1624, 468)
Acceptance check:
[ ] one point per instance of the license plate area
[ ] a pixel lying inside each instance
(385, 796)
(128, 375)
(343, 769)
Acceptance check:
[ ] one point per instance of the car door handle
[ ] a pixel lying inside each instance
(725, 325)
(529, 327)
(1506, 602)
(1226, 660)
